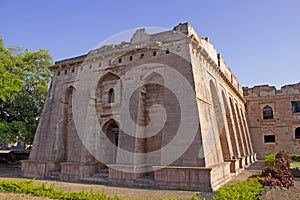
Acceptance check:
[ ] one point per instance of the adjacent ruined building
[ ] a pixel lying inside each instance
(274, 118)
(163, 111)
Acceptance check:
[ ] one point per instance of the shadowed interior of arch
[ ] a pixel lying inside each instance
(267, 112)
(111, 130)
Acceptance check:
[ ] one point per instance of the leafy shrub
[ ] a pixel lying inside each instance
(28, 187)
(270, 160)
(247, 190)
(280, 158)
(280, 174)
(295, 157)
(283, 158)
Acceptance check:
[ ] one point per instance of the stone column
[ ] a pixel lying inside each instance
(140, 130)
(235, 129)
(244, 138)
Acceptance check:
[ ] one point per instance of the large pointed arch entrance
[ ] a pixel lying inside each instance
(111, 130)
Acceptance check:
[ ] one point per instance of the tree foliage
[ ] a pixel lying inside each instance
(24, 80)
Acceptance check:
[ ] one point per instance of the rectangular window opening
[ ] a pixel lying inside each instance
(269, 138)
(296, 106)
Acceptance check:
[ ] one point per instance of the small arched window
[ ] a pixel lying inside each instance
(267, 112)
(297, 133)
(154, 53)
(111, 95)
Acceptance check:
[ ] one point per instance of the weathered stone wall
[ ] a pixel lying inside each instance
(221, 108)
(282, 124)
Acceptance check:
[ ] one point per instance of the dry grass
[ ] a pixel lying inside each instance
(15, 196)
(295, 164)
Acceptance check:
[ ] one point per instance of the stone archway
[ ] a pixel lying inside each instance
(72, 144)
(111, 130)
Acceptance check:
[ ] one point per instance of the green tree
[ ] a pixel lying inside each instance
(24, 80)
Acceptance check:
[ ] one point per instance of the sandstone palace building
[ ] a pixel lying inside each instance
(274, 118)
(163, 111)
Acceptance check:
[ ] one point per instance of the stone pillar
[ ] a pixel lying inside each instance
(245, 139)
(59, 150)
(140, 130)
(228, 128)
(247, 132)
(235, 130)
(244, 134)
(241, 138)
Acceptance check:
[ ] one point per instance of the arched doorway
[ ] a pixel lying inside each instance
(70, 138)
(111, 130)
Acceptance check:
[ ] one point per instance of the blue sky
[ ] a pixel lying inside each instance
(259, 39)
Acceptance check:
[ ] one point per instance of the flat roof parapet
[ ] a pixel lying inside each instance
(267, 90)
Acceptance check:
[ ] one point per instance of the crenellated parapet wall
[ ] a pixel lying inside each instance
(266, 90)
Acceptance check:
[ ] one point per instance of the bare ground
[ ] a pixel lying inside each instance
(287, 194)
(14, 196)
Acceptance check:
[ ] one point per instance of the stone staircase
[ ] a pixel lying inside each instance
(257, 166)
(99, 178)
(54, 174)
(145, 181)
